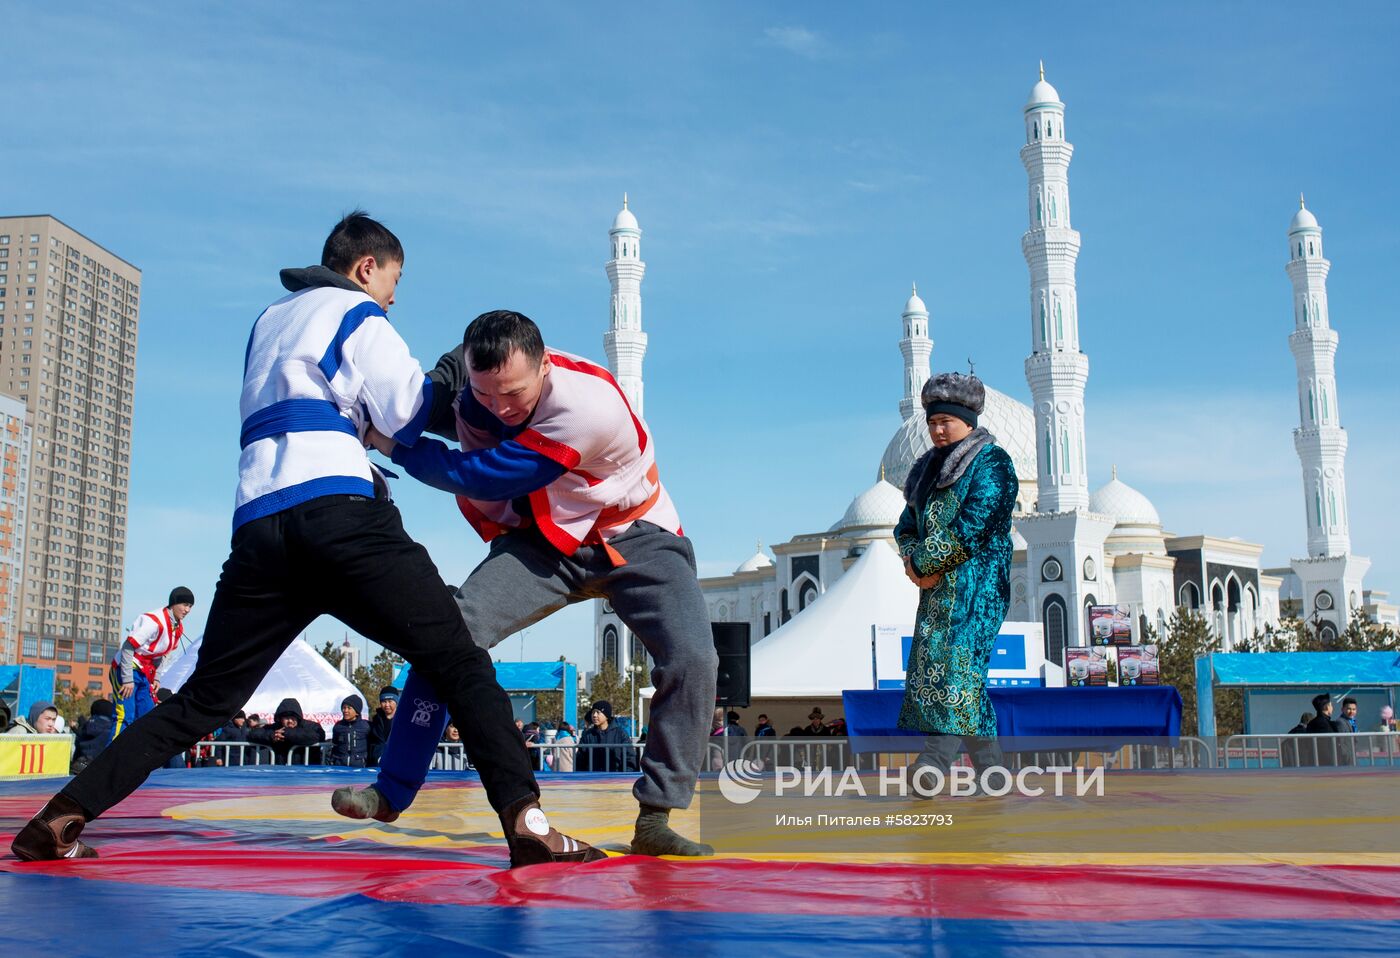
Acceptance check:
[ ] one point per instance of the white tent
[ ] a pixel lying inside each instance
(826, 648)
(301, 673)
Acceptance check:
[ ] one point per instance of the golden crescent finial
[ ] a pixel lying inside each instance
(1042, 70)
(624, 199)
(1300, 202)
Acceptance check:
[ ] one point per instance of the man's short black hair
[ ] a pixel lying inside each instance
(1320, 702)
(493, 336)
(357, 236)
(1348, 701)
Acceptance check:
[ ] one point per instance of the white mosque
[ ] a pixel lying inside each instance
(1073, 548)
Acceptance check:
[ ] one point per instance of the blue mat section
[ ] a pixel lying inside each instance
(208, 924)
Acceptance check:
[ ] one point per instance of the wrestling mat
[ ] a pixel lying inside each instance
(252, 862)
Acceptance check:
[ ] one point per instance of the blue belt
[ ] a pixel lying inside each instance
(294, 415)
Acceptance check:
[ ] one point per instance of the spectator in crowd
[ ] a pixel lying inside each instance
(254, 721)
(379, 725)
(531, 731)
(836, 728)
(94, 734)
(1291, 751)
(1349, 714)
(290, 735)
(732, 722)
(730, 734)
(592, 757)
(350, 736)
(815, 727)
(564, 757)
(1387, 719)
(453, 758)
(764, 728)
(1321, 724)
(235, 731)
(40, 720)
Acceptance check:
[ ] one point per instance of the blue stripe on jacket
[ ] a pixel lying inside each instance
(294, 415)
(351, 321)
(498, 474)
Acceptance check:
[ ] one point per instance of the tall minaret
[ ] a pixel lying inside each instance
(625, 343)
(1064, 539)
(1056, 370)
(917, 348)
(1330, 578)
(1320, 439)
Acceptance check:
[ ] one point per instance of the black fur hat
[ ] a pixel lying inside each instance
(955, 394)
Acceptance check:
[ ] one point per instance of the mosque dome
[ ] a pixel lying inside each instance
(915, 304)
(1042, 92)
(624, 219)
(1009, 421)
(878, 507)
(1124, 503)
(759, 560)
(1303, 219)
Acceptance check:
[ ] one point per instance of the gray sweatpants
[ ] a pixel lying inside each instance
(657, 596)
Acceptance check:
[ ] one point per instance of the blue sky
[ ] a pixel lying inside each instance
(794, 167)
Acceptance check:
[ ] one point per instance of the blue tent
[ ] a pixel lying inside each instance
(516, 677)
(1289, 671)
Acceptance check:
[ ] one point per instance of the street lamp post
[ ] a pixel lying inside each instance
(637, 669)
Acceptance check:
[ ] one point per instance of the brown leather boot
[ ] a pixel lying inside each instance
(53, 833)
(534, 841)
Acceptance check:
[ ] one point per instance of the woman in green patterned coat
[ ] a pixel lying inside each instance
(955, 539)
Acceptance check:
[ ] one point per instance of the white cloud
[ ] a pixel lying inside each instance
(798, 41)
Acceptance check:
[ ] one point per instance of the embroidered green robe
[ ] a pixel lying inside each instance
(963, 532)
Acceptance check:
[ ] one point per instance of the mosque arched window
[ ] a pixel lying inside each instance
(1332, 505)
(1059, 323)
(1036, 128)
(1049, 130)
(610, 646)
(1064, 450)
(1310, 247)
(1055, 631)
(1189, 597)
(1317, 505)
(1053, 216)
(1325, 411)
(1044, 328)
(1039, 209)
(1049, 453)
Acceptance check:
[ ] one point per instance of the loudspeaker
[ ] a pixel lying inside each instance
(732, 644)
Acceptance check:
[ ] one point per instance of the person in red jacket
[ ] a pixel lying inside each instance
(143, 656)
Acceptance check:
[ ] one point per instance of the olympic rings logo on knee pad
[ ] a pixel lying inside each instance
(423, 712)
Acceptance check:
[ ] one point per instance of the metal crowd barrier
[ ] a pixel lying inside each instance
(1361, 749)
(772, 752)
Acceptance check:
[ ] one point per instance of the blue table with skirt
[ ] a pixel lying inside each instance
(1091, 719)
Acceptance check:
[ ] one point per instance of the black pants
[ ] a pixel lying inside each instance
(940, 750)
(346, 556)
